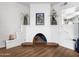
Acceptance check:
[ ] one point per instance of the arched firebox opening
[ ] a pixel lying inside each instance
(39, 39)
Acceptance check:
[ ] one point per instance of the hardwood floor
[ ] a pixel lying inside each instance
(38, 52)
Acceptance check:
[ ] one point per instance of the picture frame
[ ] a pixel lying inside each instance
(39, 18)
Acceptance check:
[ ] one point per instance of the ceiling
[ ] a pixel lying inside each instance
(28, 3)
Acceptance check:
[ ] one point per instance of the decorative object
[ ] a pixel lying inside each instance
(66, 21)
(12, 36)
(53, 18)
(26, 20)
(39, 18)
(53, 21)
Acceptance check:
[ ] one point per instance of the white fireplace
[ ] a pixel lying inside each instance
(33, 29)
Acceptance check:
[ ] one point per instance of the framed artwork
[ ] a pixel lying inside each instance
(39, 18)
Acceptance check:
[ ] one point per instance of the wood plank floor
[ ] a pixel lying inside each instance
(38, 52)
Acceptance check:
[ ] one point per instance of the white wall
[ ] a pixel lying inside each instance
(67, 31)
(10, 21)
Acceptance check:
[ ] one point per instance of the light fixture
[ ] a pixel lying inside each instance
(65, 3)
